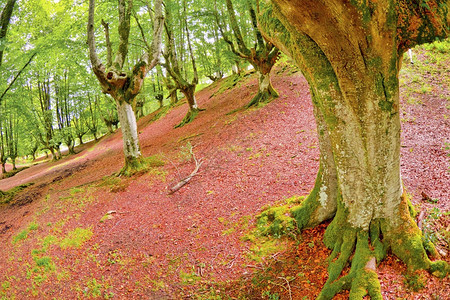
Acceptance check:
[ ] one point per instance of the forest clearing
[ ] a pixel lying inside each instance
(257, 149)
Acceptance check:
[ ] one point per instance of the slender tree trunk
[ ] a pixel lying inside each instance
(3, 168)
(109, 125)
(129, 133)
(58, 149)
(5, 18)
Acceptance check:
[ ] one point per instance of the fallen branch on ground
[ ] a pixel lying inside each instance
(185, 180)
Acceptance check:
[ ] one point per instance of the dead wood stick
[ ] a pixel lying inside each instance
(185, 180)
(289, 286)
(420, 219)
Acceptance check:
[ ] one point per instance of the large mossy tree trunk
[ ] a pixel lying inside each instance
(351, 60)
(189, 92)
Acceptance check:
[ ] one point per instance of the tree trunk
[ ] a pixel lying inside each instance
(109, 126)
(189, 93)
(3, 168)
(355, 92)
(173, 97)
(58, 148)
(130, 138)
(265, 90)
(5, 18)
(54, 157)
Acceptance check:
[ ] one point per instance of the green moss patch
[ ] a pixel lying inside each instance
(8, 196)
(76, 238)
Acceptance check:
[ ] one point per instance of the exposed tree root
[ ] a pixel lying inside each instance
(190, 116)
(263, 97)
(364, 249)
(134, 166)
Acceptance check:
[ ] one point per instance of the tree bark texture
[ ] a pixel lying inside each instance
(351, 52)
(127, 121)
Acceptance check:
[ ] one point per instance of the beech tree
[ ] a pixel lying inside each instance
(262, 56)
(115, 81)
(173, 63)
(351, 53)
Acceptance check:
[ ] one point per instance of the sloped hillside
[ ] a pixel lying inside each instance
(80, 231)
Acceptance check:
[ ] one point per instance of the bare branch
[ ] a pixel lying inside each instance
(194, 67)
(185, 180)
(237, 32)
(17, 76)
(149, 60)
(141, 30)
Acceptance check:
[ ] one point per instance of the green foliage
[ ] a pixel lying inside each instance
(188, 278)
(439, 46)
(98, 288)
(141, 165)
(277, 220)
(268, 295)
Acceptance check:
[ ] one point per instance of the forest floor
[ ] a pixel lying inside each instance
(79, 231)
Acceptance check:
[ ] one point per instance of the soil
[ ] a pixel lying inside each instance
(139, 241)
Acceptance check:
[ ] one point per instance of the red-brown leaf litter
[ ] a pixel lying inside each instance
(147, 244)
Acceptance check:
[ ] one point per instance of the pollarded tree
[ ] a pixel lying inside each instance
(351, 53)
(262, 55)
(115, 81)
(173, 63)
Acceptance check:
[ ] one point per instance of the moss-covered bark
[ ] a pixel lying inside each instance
(266, 91)
(189, 91)
(351, 61)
